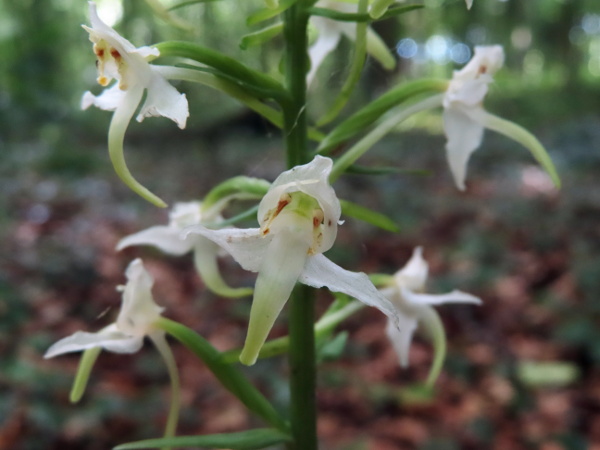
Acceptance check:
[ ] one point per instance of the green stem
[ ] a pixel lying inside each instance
(303, 415)
(229, 376)
(322, 328)
(303, 408)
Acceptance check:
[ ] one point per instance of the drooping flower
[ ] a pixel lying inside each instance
(169, 239)
(298, 222)
(119, 59)
(330, 32)
(464, 116)
(415, 307)
(137, 319)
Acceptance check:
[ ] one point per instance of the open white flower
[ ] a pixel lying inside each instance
(330, 32)
(415, 307)
(169, 239)
(464, 116)
(135, 321)
(118, 59)
(298, 222)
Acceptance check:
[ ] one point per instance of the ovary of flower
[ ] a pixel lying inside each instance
(118, 59)
(136, 320)
(169, 239)
(415, 307)
(330, 32)
(464, 116)
(298, 222)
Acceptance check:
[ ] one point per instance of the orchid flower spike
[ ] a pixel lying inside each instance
(137, 319)
(118, 59)
(330, 32)
(169, 239)
(415, 308)
(298, 220)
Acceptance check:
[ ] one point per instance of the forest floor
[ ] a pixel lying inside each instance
(523, 369)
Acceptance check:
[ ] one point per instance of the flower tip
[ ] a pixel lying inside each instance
(247, 359)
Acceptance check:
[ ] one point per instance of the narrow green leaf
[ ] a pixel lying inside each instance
(399, 10)
(364, 117)
(244, 440)
(228, 66)
(230, 377)
(369, 216)
(269, 13)
(357, 17)
(261, 36)
(241, 187)
(189, 3)
(363, 170)
(385, 125)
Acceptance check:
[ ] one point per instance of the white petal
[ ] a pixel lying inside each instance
(282, 264)
(401, 336)
(100, 30)
(168, 239)
(108, 100)
(464, 135)
(415, 299)
(469, 3)
(320, 271)
(414, 274)
(317, 52)
(138, 311)
(247, 246)
(110, 338)
(312, 179)
(164, 100)
(326, 42)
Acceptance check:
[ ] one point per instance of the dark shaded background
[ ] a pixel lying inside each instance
(529, 251)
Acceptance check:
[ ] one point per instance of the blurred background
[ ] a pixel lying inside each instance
(523, 369)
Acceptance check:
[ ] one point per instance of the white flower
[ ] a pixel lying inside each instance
(169, 239)
(118, 59)
(135, 320)
(414, 307)
(464, 116)
(298, 222)
(330, 32)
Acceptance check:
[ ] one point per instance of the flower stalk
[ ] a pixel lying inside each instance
(301, 313)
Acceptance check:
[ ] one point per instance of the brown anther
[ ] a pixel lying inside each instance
(115, 54)
(329, 223)
(316, 222)
(482, 70)
(282, 204)
(266, 231)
